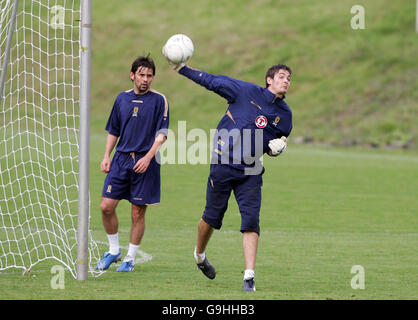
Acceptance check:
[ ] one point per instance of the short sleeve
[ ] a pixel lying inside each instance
(113, 123)
(163, 118)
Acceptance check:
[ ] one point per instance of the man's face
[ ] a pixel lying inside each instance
(280, 83)
(142, 79)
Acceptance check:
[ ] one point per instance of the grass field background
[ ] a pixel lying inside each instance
(324, 211)
(325, 207)
(349, 87)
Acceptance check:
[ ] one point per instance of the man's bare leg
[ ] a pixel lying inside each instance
(110, 223)
(138, 223)
(137, 231)
(249, 245)
(109, 217)
(204, 232)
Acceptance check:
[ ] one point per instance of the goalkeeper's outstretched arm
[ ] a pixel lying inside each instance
(226, 87)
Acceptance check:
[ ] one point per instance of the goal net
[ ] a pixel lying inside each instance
(39, 133)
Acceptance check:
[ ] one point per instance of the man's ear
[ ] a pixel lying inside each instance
(269, 80)
(132, 76)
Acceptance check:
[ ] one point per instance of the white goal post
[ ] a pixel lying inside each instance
(44, 135)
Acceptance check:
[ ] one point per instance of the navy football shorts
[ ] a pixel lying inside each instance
(122, 182)
(247, 190)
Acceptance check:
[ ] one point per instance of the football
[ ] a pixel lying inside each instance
(178, 48)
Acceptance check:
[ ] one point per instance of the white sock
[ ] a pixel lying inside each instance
(199, 257)
(132, 250)
(113, 243)
(248, 274)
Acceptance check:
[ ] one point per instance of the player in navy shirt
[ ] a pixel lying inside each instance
(139, 124)
(257, 121)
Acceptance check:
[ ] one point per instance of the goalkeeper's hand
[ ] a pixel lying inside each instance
(277, 146)
(174, 66)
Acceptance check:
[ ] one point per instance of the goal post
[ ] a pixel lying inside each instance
(45, 57)
(83, 202)
(8, 45)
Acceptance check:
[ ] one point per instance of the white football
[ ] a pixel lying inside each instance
(178, 48)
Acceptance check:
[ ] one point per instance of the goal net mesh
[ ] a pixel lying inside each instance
(39, 128)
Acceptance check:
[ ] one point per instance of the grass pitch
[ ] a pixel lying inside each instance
(323, 211)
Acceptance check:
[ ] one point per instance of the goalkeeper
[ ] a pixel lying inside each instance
(255, 112)
(139, 120)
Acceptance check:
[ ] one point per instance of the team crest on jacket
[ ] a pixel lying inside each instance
(276, 121)
(135, 113)
(261, 122)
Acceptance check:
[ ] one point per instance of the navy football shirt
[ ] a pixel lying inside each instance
(256, 116)
(137, 119)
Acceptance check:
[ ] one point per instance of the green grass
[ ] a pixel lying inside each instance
(348, 87)
(324, 211)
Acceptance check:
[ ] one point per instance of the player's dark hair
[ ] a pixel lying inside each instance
(143, 61)
(274, 69)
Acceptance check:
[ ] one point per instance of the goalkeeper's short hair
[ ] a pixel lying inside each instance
(274, 69)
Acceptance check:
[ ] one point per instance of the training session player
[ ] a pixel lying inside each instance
(257, 121)
(138, 123)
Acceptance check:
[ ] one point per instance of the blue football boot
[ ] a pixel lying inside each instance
(126, 266)
(107, 260)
